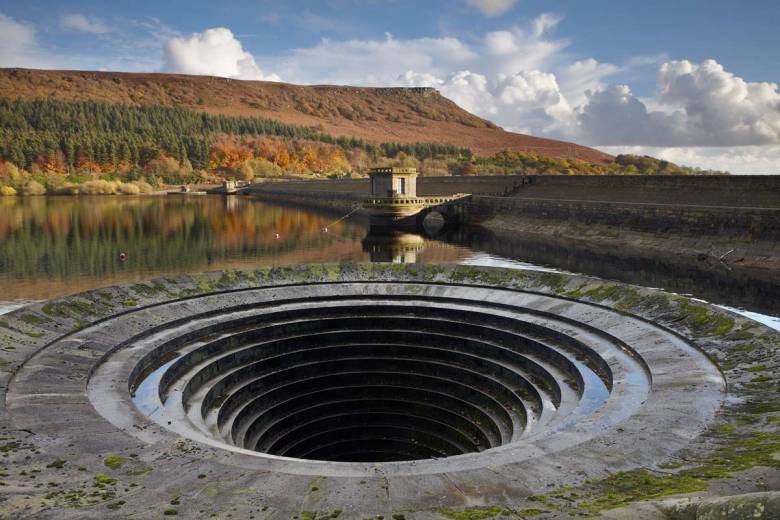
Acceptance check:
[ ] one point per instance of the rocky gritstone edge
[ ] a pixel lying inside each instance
(369, 390)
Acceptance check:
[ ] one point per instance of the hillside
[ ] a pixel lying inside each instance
(404, 115)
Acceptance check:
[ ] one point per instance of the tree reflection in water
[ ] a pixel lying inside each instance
(51, 246)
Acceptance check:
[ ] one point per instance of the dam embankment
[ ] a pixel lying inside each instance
(712, 236)
(746, 208)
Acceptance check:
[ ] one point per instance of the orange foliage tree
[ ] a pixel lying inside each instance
(225, 156)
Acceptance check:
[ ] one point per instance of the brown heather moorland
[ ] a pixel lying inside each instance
(403, 115)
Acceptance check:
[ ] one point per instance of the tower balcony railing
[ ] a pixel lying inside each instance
(412, 201)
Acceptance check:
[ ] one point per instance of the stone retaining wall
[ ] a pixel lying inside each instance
(748, 223)
(743, 206)
(762, 191)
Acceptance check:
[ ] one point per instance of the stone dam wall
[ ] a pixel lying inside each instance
(747, 206)
(748, 223)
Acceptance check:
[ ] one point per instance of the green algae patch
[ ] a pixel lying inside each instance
(317, 515)
(738, 452)
(69, 309)
(702, 320)
(556, 282)
(474, 513)
(114, 461)
(630, 486)
(103, 479)
(324, 515)
(577, 293)
(230, 278)
(203, 284)
(34, 319)
(498, 277)
(148, 290)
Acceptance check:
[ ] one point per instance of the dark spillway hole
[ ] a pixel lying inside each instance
(369, 400)
(373, 383)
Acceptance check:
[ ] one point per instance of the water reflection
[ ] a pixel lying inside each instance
(56, 245)
(386, 246)
(52, 246)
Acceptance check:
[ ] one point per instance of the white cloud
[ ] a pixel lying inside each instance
(470, 91)
(517, 49)
(756, 160)
(18, 43)
(582, 76)
(134, 46)
(545, 22)
(214, 52)
(411, 78)
(534, 100)
(700, 105)
(721, 109)
(374, 62)
(491, 8)
(501, 43)
(82, 23)
(615, 116)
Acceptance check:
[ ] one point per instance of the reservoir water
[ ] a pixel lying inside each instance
(54, 246)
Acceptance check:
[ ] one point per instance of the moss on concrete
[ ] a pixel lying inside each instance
(474, 513)
(556, 282)
(114, 461)
(34, 319)
(70, 309)
(702, 319)
(149, 290)
(103, 479)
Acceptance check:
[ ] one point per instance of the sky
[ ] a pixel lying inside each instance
(691, 81)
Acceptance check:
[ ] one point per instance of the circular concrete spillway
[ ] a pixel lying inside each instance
(420, 376)
(374, 390)
(346, 372)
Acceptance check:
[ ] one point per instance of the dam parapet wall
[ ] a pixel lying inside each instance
(746, 206)
(762, 191)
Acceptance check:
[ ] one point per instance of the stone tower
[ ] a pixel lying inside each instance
(393, 182)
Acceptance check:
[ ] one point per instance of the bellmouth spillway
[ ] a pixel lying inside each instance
(424, 383)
